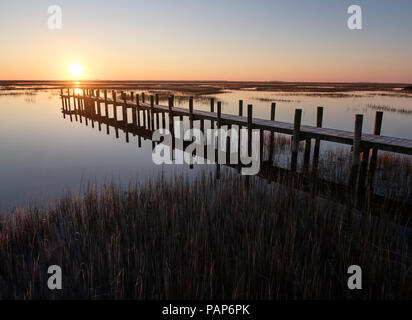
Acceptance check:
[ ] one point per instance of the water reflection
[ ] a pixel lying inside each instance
(44, 155)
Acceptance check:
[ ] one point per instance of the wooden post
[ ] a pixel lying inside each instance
(152, 112)
(157, 111)
(106, 106)
(217, 145)
(143, 112)
(316, 151)
(249, 128)
(212, 109)
(272, 135)
(132, 96)
(74, 102)
(138, 110)
(114, 105)
(143, 97)
(357, 138)
(261, 137)
(374, 156)
(219, 114)
(63, 106)
(191, 114)
(124, 109)
(68, 98)
(296, 138)
(171, 126)
(239, 141)
(228, 143)
(99, 112)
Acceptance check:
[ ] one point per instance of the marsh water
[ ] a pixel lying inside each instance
(43, 155)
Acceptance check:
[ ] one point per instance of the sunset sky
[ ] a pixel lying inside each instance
(290, 40)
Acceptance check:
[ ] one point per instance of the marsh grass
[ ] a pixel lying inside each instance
(401, 110)
(178, 238)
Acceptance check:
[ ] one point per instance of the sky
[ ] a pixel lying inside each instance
(245, 40)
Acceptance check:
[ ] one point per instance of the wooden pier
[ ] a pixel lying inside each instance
(147, 114)
(305, 181)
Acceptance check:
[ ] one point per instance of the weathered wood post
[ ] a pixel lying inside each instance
(151, 112)
(212, 109)
(157, 111)
(125, 120)
(124, 109)
(99, 112)
(79, 105)
(296, 139)
(219, 114)
(114, 105)
(191, 114)
(144, 113)
(316, 150)
(249, 128)
(239, 140)
(106, 106)
(272, 135)
(171, 126)
(306, 154)
(134, 113)
(356, 149)
(132, 96)
(138, 109)
(61, 96)
(217, 141)
(68, 98)
(374, 156)
(143, 97)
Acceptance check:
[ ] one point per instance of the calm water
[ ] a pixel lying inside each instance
(43, 155)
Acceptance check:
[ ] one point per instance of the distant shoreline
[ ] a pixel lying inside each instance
(207, 87)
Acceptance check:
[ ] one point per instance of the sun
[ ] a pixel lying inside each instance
(76, 70)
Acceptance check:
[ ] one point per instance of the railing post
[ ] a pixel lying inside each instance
(191, 114)
(249, 128)
(296, 138)
(99, 112)
(374, 156)
(316, 150)
(357, 138)
(68, 98)
(106, 107)
(125, 109)
(152, 112)
(138, 109)
(272, 135)
(114, 105)
(212, 109)
(171, 126)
